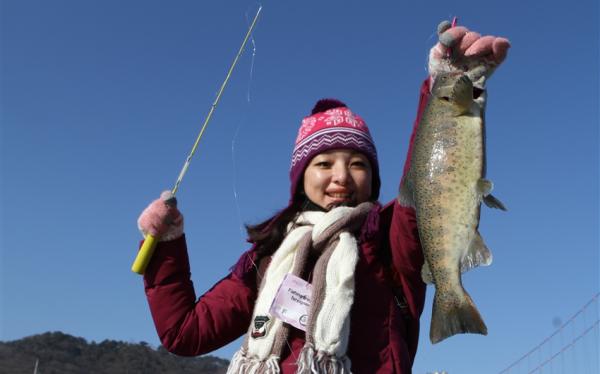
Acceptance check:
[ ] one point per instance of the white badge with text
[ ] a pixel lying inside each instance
(292, 301)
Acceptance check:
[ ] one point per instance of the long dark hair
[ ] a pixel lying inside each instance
(269, 234)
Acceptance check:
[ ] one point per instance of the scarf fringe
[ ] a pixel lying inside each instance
(320, 362)
(242, 364)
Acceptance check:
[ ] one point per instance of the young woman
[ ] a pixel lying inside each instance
(360, 260)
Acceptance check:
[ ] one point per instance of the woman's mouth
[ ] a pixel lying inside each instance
(336, 199)
(339, 196)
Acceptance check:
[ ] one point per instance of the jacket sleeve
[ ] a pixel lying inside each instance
(190, 327)
(405, 247)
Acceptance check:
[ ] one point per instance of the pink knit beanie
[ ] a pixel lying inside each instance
(332, 125)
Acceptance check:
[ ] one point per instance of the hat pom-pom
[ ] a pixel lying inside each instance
(326, 104)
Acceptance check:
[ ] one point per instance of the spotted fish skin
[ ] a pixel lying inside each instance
(445, 184)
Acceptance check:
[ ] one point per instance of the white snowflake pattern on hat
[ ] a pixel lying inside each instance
(352, 120)
(338, 116)
(307, 125)
(333, 117)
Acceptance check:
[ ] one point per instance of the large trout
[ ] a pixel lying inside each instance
(446, 184)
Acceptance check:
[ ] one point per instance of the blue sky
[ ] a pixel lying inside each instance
(101, 102)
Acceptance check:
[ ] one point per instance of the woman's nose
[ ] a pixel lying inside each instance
(340, 174)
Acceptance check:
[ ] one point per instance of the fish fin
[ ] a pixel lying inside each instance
(478, 254)
(493, 202)
(426, 273)
(484, 187)
(454, 313)
(405, 195)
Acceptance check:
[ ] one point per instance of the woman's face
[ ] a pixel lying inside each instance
(338, 177)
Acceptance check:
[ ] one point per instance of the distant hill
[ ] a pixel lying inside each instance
(60, 353)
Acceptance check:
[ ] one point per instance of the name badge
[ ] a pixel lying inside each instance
(292, 301)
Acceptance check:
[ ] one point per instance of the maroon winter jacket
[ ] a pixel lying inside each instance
(389, 296)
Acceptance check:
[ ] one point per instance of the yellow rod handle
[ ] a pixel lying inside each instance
(145, 254)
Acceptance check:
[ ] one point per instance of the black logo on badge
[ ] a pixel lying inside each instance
(260, 326)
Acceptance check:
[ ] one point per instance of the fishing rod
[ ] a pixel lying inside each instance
(147, 250)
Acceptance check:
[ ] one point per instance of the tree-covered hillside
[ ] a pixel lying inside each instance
(57, 352)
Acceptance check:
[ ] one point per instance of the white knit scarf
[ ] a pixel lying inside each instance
(328, 326)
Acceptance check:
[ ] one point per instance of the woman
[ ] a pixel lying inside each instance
(360, 260)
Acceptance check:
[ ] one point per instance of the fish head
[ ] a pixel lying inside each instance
(454, 90)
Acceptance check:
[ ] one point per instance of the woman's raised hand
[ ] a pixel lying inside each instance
(162, 218)
(460, 50)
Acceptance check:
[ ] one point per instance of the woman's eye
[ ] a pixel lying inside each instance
(323, 164)
(359, 164)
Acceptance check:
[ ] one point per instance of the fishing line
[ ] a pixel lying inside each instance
(427, 42)
(251, 62)
(235, 135)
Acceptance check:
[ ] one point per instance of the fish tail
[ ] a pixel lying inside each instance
(454, 313)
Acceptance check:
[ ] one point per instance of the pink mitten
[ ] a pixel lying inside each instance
(162, 218)
(461, 50)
